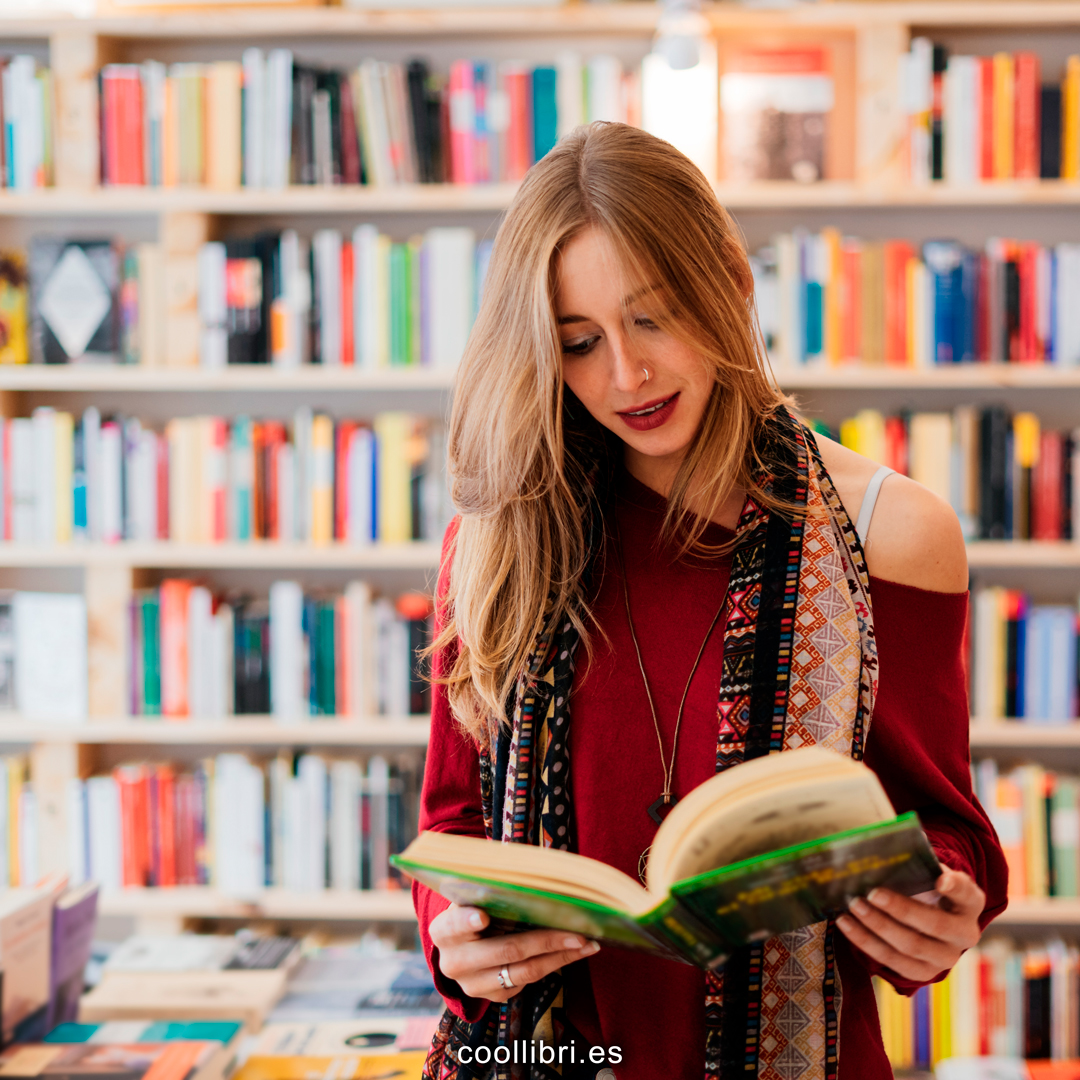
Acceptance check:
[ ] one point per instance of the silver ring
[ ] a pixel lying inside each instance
(646, 370)
(504, 978)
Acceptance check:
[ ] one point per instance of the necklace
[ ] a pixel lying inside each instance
(661, 807)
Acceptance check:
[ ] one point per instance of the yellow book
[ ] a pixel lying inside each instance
(1032, 782)
(930, 452)
(401, 1066)
(830, 239)
(916, 314)
(223, 139)
(849, 433)
(322, 479)
(940, 1021)
(1004, 117)
(1026, 439)
(170, 135)
(14, 342)
(1070, 120)
(64, 457)
(871, 424)
(392, 431)
(184, 461)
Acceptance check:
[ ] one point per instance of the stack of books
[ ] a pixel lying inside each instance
(833, 299)
(209, 479)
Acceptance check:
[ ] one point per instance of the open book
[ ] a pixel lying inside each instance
(772, 845)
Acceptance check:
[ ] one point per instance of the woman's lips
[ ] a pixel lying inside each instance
(662, 408)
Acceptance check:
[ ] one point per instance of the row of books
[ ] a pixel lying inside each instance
(268, 121)
(1023, 657)
(829, 298)
(1002, 999)
(1006, 477)
(27, 110)
(1036, 814)
(208, 479)
(293, 654)
(982, 118)
(304, 823)
(361, 299)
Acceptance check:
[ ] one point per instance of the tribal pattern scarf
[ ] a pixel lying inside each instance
(799, 668)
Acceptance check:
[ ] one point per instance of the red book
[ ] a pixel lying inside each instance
(517, 82)
(162, 488)
(217, 488)
(851, 302)
(896, 444)
(1026, 118)
(166, 825)
(462, 111)
(348, 346)
(258, 487)
(342, 435)
(173, 617)
(350, 147)
(274, 438)
(1027, 258)
(982, 311)
(110, 127)
(986, 117)
(1047, 488)
(897, 254)
(133, 786)
(122, 124)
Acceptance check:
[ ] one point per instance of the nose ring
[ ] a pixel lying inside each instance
(646, 370)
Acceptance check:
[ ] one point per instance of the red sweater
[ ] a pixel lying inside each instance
(917, 744)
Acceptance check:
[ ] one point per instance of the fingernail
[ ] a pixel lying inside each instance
(879, 897)
(845, 922)
(592, 947)
(476, 920)
(859, 906)
(946, 883)
(573, 943)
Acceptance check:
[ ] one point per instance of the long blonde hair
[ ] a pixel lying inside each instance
(521, 447)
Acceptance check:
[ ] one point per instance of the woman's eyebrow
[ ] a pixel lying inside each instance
(564, 320)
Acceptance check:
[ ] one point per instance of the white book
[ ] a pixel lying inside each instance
(449, 290)
(77, 838)
(200, 650)
(255, 108)
(50, 655)
(131, 437)
(295, 834)
(22, 108)
(371, 81)
(238, 840)
(392, 636)
(311, 773)
(142, 489)
(917, 96)
(110, 499)
(287, 653)
(604, 82)
(44, 474)
(961, 121)
(151, 300)
(360, 526)
(279, 777)
(988, 655)
(366, 336)
(301, 442)
(378, 791)
(221, 702)
(29, 837)
(930, 443)
(789, 339)
(399, 115)
(286, 493)
(1067, 310)
(153, 86)
(291, 307)
(346, 781)
(569, 92)
(91, 425)
(279, 64)
(213, 306)
(23, 491)
(104, 828)
(437, 508)
(326, 249)
(360, 663)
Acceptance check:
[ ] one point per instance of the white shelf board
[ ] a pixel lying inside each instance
(1002, 554)
(1024, 735)
(228, 731)
(198, 901)
(946, 377)
(238, 378)
(256, 554)
(1051, 911)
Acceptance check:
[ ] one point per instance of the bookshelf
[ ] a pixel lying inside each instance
(874, 34)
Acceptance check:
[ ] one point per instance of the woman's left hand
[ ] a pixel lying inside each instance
(918, 941)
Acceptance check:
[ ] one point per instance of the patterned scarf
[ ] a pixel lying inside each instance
(799, 668)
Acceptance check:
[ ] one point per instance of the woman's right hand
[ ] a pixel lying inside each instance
(474, 962)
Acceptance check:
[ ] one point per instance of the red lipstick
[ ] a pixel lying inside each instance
(651, 414)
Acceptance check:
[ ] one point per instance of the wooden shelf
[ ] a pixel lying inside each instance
(1027, 554)
(946, 377)
(1024, 735)
(492, 198)
(1052, 911)
(235, 379)
(195, 901)
(383, 731)
(261, 554)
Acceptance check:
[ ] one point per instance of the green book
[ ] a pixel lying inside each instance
(1064, 837)
(773, 845)
(151, 646)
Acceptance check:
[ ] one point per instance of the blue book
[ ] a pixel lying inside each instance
(944, 260)
(150, 1031)
(545, 110)
(922, 1027)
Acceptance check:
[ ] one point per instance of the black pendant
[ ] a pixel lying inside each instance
(662, 807)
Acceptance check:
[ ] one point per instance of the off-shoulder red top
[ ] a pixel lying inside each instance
(917, 744)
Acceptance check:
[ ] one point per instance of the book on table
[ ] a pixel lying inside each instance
(778, 843)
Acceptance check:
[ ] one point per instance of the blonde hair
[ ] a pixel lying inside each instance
(521, 446)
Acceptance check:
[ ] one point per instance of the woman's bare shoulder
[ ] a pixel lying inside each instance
(914, 536)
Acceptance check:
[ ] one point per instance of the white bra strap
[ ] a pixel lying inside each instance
(869, 501)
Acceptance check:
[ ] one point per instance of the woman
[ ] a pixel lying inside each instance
(637, 501)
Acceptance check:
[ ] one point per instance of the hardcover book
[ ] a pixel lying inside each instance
(776, 844)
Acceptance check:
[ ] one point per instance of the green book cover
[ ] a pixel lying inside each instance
(399, 304)
(151, 655)
(706, 916)
(1064, 837)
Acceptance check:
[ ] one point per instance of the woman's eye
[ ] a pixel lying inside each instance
(579, 348)
(645, 321)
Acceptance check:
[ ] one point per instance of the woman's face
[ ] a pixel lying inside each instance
(610, 342)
